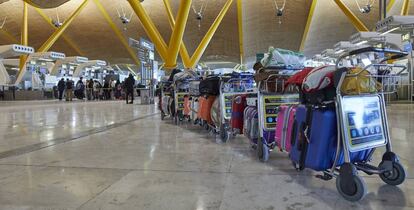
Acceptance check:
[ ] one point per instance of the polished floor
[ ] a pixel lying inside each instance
(109, 155)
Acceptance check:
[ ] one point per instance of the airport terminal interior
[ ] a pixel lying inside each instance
(206, 104)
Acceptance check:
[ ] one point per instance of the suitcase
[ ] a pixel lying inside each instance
(318, 152)
(284, 127)
(201, 104)
(210, 86)
(165, 102)
(237, 107)
(251, 124)
(205, 109)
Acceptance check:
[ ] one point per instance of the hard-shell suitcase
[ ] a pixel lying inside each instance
(238, 105)
(318, 151)
(201, 104)
(284, 127)
(251, 124)
(205, 108)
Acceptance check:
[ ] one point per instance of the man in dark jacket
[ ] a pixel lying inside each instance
(69, 90)
(61, 88)
(129, 88)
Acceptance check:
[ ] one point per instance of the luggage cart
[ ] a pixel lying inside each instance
(268, 103)
(228, 90)
(362, 125)
(179, 94)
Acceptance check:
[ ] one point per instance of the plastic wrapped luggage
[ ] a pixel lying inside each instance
(187, 104)
(284, 127)
(210, 86)
(318, 151)
(194, 89)
(166, 105)
(239, 103)
(215, 112)
(194, 108)
(251, 123)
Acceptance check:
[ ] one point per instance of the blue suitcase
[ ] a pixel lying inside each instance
(318, 152)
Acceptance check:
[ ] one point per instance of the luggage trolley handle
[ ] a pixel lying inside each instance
(266, 81)
(232, 80)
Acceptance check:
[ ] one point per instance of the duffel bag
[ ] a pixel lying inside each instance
(210, 86)
(359, 82)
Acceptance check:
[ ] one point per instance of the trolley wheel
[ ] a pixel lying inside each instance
(206, 126)
(262, 151)
(352, 190)
(394, 177)
(224, 135)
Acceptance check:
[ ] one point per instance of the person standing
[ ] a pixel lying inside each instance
(61, 88)
(69, 90)
(129, 87)
(89, 90)
(80, 89)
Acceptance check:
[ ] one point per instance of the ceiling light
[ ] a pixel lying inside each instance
(361, 43)
(389, 31)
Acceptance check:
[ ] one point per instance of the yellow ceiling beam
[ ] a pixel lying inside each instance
(209, 35)
(240, 26)
(150, 28)
(358, 24)
(390, 5)
(65, 38)
(405, 7)
(176, 38)
(185, 57)
(24, 36)
(117, 32)
(308, 23)
(55, 36)
(52, 39)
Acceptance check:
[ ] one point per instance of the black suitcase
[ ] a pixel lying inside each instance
(210, 86)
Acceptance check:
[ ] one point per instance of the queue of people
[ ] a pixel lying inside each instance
(94, 90)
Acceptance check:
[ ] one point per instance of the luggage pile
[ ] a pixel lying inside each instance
(340, 121)
(329, 119)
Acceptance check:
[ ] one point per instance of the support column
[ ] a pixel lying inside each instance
(240, 23)
(178, 33)
(209, 35)
(24, 41)
(405, 7)
(185, 57)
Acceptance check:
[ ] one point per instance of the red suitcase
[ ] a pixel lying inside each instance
(238, 105)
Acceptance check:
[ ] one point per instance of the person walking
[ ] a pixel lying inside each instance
(69, 90)
(129, 88)
(61, 88)
(106, 88)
